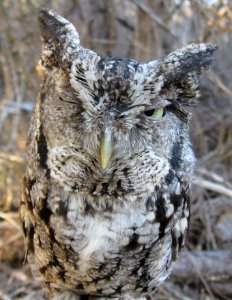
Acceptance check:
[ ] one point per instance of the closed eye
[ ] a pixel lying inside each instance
(68, 100)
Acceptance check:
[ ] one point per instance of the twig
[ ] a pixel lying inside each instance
(9, 217)
(216, 187)
(201, 276)
(153, 16)
(215, 79)
(3, 296)
(213, 176)
(176, 292)
(216, 266)
(13, 158)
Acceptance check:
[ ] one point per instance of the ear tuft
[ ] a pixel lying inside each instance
(181, 71)
(194, 57)
(55, 27)
(59, 37)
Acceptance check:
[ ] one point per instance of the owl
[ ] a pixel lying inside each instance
(105, 204)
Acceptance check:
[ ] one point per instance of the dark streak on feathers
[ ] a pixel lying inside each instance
(42, 148)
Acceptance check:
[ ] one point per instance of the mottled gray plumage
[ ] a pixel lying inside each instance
(105, 208)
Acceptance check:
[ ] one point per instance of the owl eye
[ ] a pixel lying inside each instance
(155, 113)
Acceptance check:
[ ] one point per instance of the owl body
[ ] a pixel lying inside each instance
(105, 208)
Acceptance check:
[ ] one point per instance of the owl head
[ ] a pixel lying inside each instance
(110, 119)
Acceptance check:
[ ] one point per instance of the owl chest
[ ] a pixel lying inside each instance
(105, 246)
(91, 247)
(95, 235)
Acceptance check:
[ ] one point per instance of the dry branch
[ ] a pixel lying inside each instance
(154, 17)
(216, 80)
(215, 187)
(11, 157)
(215, 266)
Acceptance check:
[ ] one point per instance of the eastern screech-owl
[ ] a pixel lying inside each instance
(105, 207)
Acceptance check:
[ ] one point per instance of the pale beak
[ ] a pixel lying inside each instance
(106, 148)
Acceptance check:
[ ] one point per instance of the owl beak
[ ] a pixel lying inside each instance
(106, 148)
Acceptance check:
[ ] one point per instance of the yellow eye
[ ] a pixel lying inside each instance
(155, 113)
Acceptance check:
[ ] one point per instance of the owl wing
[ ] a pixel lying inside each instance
(28, 224)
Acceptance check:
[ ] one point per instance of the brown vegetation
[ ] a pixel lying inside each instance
(141, 29)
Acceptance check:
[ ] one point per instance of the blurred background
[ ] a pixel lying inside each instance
(143, 30)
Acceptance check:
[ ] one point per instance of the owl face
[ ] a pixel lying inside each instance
(114, 124)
